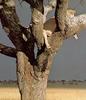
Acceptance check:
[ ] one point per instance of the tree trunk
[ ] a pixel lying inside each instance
(31, 87)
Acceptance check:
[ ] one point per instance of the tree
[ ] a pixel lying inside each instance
(33, 69)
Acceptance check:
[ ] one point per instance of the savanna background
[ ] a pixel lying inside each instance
(69, 63)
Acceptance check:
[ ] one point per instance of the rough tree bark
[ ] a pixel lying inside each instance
(33, 72)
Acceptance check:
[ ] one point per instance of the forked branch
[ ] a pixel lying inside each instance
(10, 23)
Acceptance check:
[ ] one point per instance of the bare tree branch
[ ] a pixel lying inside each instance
(10, 23)
(31, 2)
(38, 4)
(9, 51)
(60, 14)
(61, 8)
(37, 23)
(10, 20)
(75, 24)
(27, 32)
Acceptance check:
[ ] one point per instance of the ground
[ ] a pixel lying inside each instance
(55, 91)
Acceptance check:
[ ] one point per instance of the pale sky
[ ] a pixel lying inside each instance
(69, 63)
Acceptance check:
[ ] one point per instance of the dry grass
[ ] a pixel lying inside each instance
(9, 93)
(12, 93)
(66, 94)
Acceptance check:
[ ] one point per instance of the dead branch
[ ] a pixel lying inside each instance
(37, 23)
(60, 15)
(31, 2)
(74, 25)
(10, 23)
(8, 51)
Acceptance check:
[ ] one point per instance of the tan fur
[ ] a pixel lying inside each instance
(71, 12)
(10, 3)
